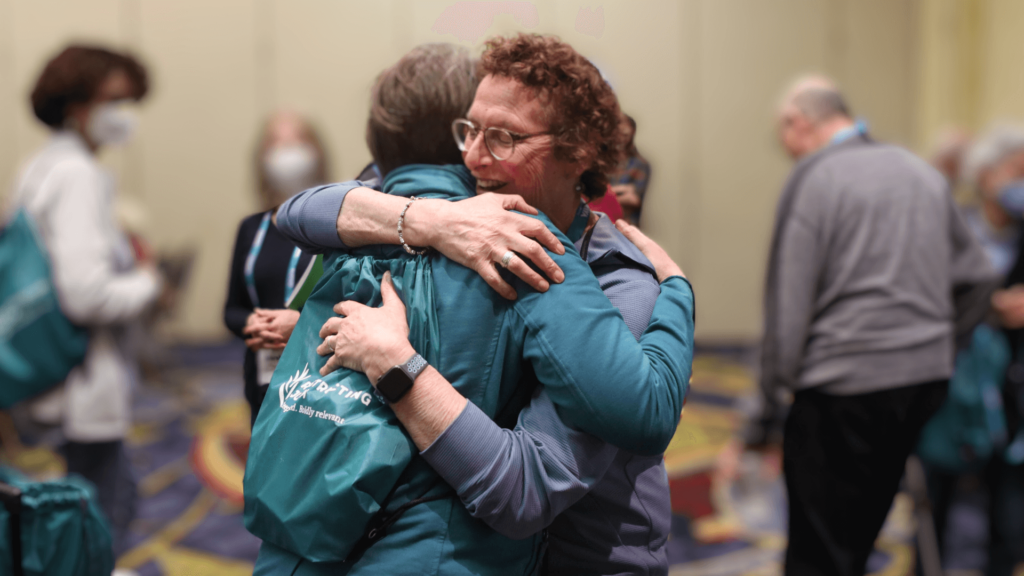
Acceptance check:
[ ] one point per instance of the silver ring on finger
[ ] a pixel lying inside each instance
(330, 342)
(507, 259)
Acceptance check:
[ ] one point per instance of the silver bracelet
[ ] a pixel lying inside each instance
(401, 219)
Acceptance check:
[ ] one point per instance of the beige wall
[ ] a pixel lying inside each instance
(971, 54)
(700, 76)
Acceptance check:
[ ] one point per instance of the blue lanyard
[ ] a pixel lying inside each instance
(250, 264)
(860, 127)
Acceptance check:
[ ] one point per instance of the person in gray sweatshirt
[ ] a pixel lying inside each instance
(872, 276)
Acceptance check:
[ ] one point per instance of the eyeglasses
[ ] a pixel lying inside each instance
(500, 143)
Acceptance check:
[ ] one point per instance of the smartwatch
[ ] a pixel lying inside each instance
(397, 381)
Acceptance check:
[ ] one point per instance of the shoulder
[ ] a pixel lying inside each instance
(250, 224)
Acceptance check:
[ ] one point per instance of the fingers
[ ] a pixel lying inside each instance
(331, 327)
(388, 294)
(326, 347)
(516, 202)
(632, 233)
(490, 274)
(521, 269)
(333, 363)
(538, 231)
(271, 337)
(348, 308)
(541, 259)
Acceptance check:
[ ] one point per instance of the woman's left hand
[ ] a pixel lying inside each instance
(369, 340)
(275, 327)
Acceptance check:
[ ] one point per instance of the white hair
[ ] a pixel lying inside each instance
(991, 148)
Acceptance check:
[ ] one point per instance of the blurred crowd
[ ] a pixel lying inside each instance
(491, 383)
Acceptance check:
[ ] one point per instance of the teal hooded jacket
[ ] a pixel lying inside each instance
(598, 376)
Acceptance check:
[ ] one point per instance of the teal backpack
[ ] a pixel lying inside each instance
(38, 344)
(326, 451)
(52, 528)
(971, 426)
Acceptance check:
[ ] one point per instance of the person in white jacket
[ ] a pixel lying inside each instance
(84, 95)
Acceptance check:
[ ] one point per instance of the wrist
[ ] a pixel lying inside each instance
(389, 358)
(419, 219)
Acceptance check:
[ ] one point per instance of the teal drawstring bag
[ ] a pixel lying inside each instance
(326, 451)
(38, 344)
(63, 531)
(970, 426)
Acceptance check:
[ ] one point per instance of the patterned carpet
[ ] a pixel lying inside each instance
(191, 435)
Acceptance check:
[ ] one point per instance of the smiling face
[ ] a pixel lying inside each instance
(532, 171)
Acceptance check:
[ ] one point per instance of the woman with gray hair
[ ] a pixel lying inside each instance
(993, 161)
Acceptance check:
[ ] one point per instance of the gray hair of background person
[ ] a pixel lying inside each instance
(819, 104)
(414, 103)
(991, 148)
(817, 98)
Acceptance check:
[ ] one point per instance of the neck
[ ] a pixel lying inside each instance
(562, 213)
(828, 129)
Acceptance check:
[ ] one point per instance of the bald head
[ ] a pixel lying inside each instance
(811, 112)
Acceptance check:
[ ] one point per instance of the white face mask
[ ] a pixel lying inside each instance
(290, 169)
(112, 123)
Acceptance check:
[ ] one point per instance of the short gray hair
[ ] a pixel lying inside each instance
(413, 104)
(994, 146)
(819, 103)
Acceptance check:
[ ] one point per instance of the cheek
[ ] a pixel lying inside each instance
(526, 175)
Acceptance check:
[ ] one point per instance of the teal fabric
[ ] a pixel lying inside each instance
(332, 437)
(63, 532)
(38, 344)
(970, 426)
(602, 380)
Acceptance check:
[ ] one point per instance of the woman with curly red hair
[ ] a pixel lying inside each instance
(543, 126)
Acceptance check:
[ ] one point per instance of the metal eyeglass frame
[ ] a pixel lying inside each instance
(489, 133)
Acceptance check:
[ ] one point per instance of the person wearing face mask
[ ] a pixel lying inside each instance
(266, 265)
(86, 96)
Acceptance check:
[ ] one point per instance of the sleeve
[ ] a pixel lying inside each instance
(789, 309)
(310, 218)
(238, 305)
(92, 291)
(591, 366)
(796, 278)
(518, 481)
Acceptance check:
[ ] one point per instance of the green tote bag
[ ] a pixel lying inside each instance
(59, 526)
(326, 451)
(38, 344)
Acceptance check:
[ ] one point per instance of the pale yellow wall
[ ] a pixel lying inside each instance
(700, 76)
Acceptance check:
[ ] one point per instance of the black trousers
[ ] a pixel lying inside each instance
(107, 466)
(843, 457)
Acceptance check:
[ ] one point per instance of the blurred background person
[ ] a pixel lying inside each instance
(993, 161)
(968, 432)
(86, 95)
(630, 181)
(861, 229)
(997, 168)
(948, 153)
(266, 265)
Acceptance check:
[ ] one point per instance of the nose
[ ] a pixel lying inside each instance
(476, 154)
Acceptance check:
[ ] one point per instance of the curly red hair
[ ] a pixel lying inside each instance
(586, 122)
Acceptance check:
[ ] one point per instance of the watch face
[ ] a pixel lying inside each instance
(394, 384)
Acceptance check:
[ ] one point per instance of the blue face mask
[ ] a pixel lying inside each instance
(1011, 198)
